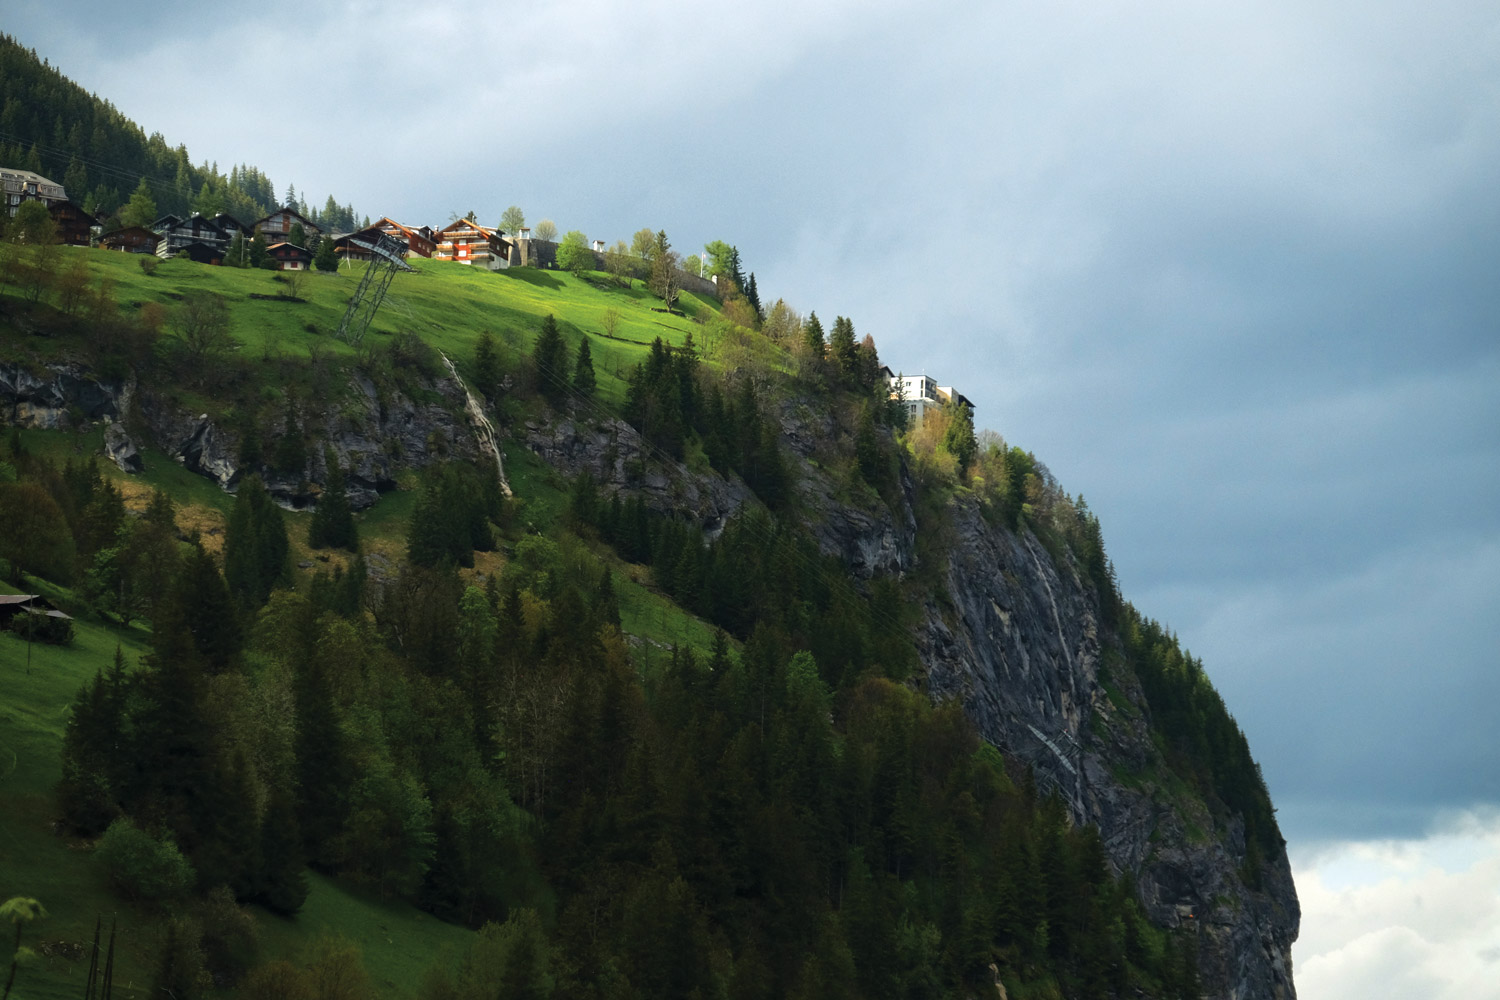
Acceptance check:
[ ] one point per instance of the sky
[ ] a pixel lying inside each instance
(1231, 270)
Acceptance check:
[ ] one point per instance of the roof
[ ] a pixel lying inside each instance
(15, 180)
(285, 246)
(18, 598)
(142, 230)
(467, 224)
(285, 210)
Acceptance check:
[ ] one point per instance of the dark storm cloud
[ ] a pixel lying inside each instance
(1228, 270)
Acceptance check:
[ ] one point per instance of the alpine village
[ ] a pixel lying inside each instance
(406, 610)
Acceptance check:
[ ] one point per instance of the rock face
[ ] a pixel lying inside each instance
(56, 397)
(1016, 637)
(373, 434)
(1021, 647)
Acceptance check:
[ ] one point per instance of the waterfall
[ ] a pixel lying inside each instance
(483, 429)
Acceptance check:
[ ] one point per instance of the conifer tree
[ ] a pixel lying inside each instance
(325, 259)
(332, 524)
(583, 370)
(843, 351)
(812, 333)
(550, 356)
(486, 366)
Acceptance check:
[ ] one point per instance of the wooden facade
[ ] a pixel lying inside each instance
(289, 256)
(188, 231)
(75, 227)
(418, 240)
(467, 242)
(135, 239)
(277, 226)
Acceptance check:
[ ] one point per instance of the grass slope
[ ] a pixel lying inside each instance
(448, 305)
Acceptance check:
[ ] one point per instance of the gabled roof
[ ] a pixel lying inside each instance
(465, 224)
(142, 230)
(224, 217)
(386, 220)
(285, 247)
(165, 222)
(306, 222)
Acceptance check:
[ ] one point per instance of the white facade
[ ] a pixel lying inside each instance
(921, 393)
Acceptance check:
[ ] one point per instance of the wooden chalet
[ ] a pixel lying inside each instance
(289, 256)
(277, 226)
(75, 227)
(347, 246)
(202, 252)
(418, 240)
(229, 225)
(196, 229)
(134, 239)
(467, 242)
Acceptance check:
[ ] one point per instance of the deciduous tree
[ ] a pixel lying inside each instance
(573, 254)
(512, 220)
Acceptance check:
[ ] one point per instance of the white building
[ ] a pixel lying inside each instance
(921, 393)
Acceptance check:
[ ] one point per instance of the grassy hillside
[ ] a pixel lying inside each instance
(448, 305)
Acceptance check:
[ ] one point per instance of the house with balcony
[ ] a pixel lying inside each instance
(418, 239)
(277, 227)
(75, 227)
(133, 239)
(289, 256)
(176, 234)
(467, 242)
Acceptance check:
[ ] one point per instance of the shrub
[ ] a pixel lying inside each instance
(149, 263)
(143, 867)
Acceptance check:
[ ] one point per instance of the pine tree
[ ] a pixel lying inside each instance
(324, 259)
(550, 355)
(843, 351)
(332, 524)
(486, 366)
(583, 371)
(812, 333)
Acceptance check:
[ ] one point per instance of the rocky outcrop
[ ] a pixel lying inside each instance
(373, 434)
(57, 397)
(614, 453)
(1018, 642)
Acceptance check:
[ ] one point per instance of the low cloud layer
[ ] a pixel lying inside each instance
(1402, 918)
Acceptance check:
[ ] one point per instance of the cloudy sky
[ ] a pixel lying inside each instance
(1231, 270)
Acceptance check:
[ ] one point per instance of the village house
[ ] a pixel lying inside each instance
(467, 242)
(289, 256)
(277, 226)
(418, 239)
(75, 227)
(132, 239)
(356, 245)
(23, 185)
(177, 235)
(229, 226)
(201, 252)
